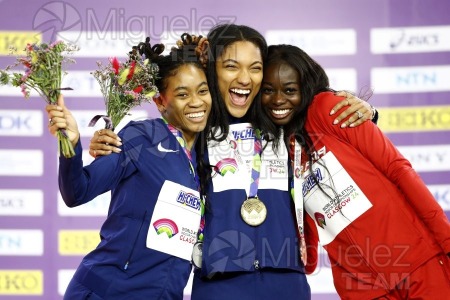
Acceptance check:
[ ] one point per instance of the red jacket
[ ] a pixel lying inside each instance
(400, 227)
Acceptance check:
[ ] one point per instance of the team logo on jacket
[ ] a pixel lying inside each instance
(226, 165)
(320, 219)
(189, 199)
(166, 226)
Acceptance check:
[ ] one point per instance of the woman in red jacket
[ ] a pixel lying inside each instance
(384, 233)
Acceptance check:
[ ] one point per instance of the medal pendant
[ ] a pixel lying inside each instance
(197, 255)
(253, 211)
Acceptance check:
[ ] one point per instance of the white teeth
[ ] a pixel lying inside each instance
(196, 115)
(239, 91)
(280, 111)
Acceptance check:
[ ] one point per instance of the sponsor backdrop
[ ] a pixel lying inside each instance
(400, 49)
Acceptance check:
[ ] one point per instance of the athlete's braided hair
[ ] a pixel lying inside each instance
(199, 45)
(167, 65)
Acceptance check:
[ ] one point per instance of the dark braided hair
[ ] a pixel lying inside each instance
(168, 65)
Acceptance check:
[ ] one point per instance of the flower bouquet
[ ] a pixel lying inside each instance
(43, 73)
(124, 86)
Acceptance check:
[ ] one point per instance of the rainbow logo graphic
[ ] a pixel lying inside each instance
(166, 226)
(226, 165)
(320, 219)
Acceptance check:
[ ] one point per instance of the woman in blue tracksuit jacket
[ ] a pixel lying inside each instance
(146, 240)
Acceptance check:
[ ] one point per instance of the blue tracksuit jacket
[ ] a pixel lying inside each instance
(122, 267)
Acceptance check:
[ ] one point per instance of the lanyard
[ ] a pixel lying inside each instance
(296, 192)
(182, 143)
(256, 162)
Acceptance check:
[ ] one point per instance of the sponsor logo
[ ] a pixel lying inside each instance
(316, 42)
(97, 207)
(413, 119)
(83, 118)
(342, 79)
(189, 200)
(21, 202)
(77, 242)
(21, 123)
(21, 242)
(162, 149)
(21, 282)
(64, 277)
(441, 192)
(166, 226)
(427, 158)
(16, 162)
(102, 43)
(245, 134)
(410, 39)
(410, 79)
(310, 181)
(17, 40)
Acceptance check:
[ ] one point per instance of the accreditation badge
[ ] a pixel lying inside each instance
(175, 221)
(342, 205)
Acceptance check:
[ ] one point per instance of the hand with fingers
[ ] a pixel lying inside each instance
(359, 111)
(104, 142)
(59, 117)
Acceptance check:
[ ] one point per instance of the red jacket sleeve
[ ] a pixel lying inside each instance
(379, 150)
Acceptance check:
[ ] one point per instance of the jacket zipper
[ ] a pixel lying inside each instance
(134, 244)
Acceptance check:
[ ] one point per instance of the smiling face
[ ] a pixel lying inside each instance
(186, 101)
(239, 72)
(280, 92)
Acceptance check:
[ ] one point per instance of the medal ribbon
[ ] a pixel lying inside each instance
(296, 192)
(256, 165)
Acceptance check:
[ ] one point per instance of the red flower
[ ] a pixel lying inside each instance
(138, 89)
(115, 64)
(25, 62)
(133, 65)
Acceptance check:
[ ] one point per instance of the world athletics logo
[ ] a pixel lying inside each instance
(166, 226)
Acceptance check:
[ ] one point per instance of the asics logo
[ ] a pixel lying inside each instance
(162, 149)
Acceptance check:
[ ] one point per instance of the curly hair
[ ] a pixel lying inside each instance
(168, 65)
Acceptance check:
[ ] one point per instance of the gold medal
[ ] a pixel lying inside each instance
(253, 211)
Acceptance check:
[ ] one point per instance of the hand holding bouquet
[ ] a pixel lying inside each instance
(43, 73)
(124, 86)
